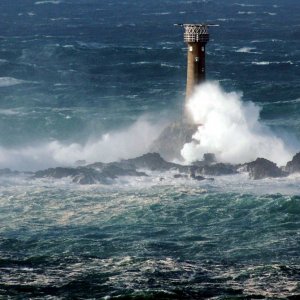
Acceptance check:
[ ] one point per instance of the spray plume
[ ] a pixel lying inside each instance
(230, 128)
(122, 144)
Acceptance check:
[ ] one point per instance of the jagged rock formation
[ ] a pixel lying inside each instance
(218, 169)
(104, 173)
(89, 175)
(262, 168)
(172, 139)
(293, 166)
(140, 166)
(149, 161)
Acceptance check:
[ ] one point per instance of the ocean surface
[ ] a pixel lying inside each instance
(98, 80)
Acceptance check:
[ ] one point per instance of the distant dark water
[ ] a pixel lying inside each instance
(72, 69)
(90, 65)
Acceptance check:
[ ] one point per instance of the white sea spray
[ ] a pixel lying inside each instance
(231, 129)
(124, 143)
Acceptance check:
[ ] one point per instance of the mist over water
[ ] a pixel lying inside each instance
(231, 129)
(228, 127)
(123, 143)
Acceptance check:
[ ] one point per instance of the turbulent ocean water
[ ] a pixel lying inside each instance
(98, 80)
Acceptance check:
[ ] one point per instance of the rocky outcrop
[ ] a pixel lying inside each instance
(154, 162)
(88, 175)
(216, 169)
(293, 166)
(105, 172)
(262, 168)
(57, 173)
(141, 166)
(149, 161)
(172, 139)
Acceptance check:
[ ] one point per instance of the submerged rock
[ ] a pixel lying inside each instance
(262, 168)
(293, 166)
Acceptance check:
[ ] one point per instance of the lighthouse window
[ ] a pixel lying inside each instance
(196, 59)
(191, 48)
(202, 49)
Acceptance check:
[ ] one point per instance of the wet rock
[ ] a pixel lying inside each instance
(153, 162)
(180, 176)
(57, 173)
(172, 139)
(209, 158)
(114, 170)
(193, 170)
(79, 175)
(209, 166)
(262, 168)
(219, 169)
(293, 166)
(198, 177)
(89, 175)
(149, 161)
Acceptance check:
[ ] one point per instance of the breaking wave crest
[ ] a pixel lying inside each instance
(231, 129)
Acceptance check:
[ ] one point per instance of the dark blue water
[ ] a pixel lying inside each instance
(72, 71)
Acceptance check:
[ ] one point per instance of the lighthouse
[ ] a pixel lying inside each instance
(174, 136)
(196, 36)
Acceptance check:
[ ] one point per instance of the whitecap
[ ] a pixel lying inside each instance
(170, 65)
(9, 81)
(9, 112)
(47, 2)
(246, 5)
(265, 63)
(293, 101)
(245, 49)
(142, 63)
(260, 63)
(246, 12)
(157, 13)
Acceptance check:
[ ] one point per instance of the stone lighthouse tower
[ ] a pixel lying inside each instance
(196, 36)
(172, 139)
